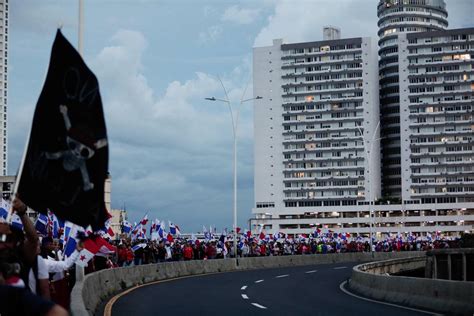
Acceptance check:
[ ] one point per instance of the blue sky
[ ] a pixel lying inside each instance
(156, 60)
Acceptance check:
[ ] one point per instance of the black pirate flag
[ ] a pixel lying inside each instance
(67, 159)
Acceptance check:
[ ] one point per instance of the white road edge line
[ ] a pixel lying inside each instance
(337, 268)
(341, 286)
(312, 271)
(281, 276)
(243, 287)
(245, 297)
(258, 281)
(259, 306)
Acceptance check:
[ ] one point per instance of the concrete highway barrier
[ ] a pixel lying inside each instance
(373, 280)
(99, 286)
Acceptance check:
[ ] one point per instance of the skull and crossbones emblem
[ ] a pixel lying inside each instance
(78, 153)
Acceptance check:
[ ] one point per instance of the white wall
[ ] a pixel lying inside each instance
(370, 78)
(404, 116)
(268, 126)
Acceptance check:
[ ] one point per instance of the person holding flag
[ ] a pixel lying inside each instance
(58, 282)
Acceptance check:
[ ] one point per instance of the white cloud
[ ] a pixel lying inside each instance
(209, 11)
(170, 153)
(211, 34)
(41, 17)
(295, 23)
(356, 18)
(238, 15)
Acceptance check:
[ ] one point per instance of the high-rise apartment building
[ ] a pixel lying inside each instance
(3, 85)
(436, 116)
(399, 17)
(316, 130)
(313, 169)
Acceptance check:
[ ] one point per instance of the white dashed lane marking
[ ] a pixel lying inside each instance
(245, 297)
(259, 306)
(243, 287)
(312, 271)
(258, 281)
(282, 276)
(337, 268)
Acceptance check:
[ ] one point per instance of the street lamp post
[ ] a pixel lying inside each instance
(234, 133)
(368, 156)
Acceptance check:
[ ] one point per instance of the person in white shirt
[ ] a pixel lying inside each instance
(56, 266)
(42, 279)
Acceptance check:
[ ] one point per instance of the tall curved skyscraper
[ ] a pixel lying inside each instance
(395, 17)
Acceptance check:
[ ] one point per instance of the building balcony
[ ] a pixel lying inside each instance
(323, 101)
(305, 63)
(432, 15)
(438, 174)
(440, 94)
(442, 194)
(438, 113)
(443, 153)
(288, 55)
(350, 92)
(465, 132)
(305, 73)
(330, 129)
(441, 184)
(289, 178)
(324, 111)
(441, 123)
(323, 120)
(467, 162)
(326, 178)
(324, 188)
(335, 139)
(289, 84)
(322, 198)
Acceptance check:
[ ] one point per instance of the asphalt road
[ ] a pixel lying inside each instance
(308, 290)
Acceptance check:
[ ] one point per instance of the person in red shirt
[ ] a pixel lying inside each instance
(304, 249)
(263, 249)
(188, 252)
(211, 250)
(130, 256)
(122, 255)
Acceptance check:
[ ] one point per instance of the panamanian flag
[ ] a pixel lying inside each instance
(138, 246)
(41, 224)
(86, 254)
(16, 222)
(72, 238)
(174, 229)
(126, 227)
(4, 209)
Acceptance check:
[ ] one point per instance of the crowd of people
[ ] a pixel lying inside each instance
(35, 270)
(128, 253)
(33, 276)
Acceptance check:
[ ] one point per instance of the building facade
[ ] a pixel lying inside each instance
(7, 185)
(118, 216)
(312, 168)
(316, 132)
(3, 86)
(398, 17)
(436, 117)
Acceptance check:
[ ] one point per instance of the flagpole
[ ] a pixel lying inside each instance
(79, 269)
(81, 27)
